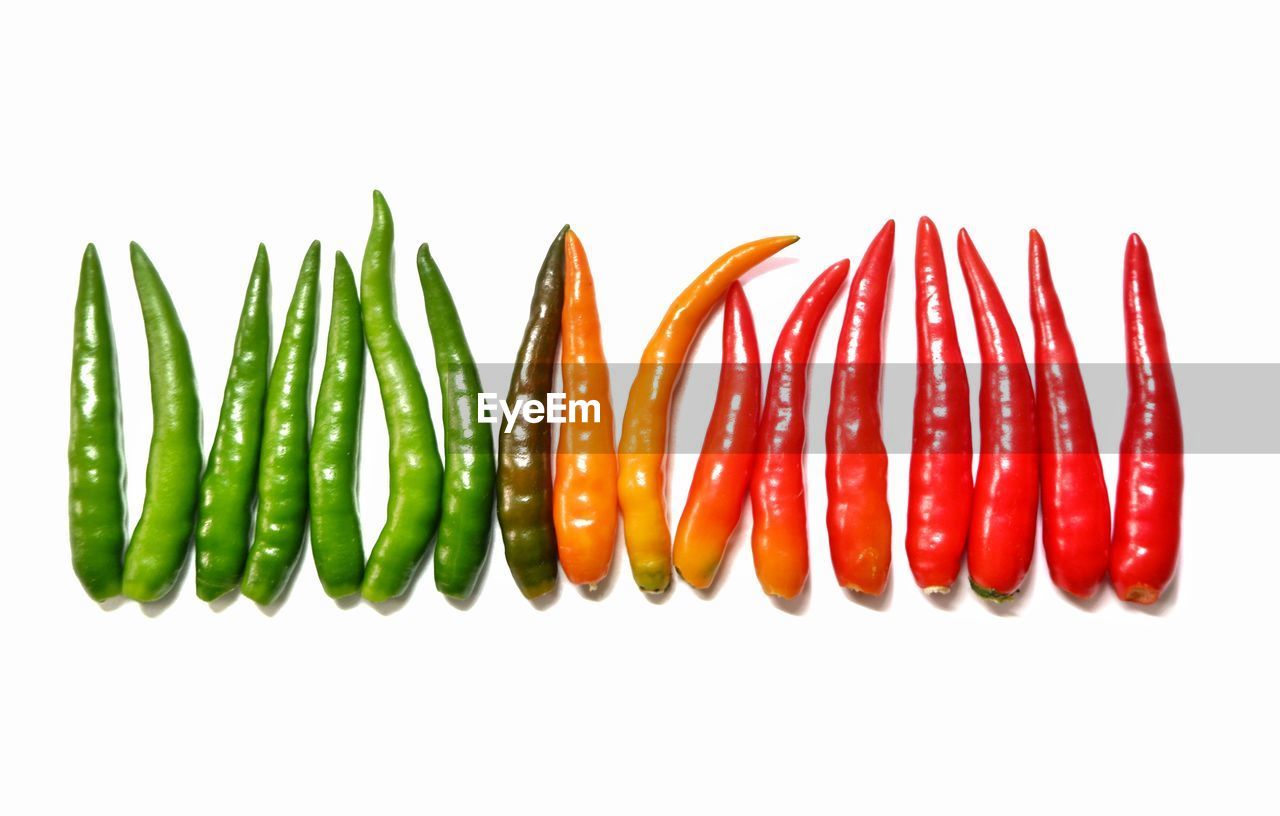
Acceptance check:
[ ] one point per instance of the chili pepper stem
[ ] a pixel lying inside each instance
(990, 594)
(1142, 594)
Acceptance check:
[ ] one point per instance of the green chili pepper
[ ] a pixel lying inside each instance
(282, 471)
(158, 547)
(230, 476)
(413, 506)
(524, 451)
(462, 542)
(336, 542)
(95, 454)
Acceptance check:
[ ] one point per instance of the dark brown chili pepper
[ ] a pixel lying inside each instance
(524, 449)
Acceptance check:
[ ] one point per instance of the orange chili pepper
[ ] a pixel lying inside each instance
(643, 446)
(585, 495)
(779, 537)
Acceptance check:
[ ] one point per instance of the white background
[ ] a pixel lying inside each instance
(665, 133)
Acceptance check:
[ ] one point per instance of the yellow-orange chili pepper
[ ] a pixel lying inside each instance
(585, 495)
(643, 444)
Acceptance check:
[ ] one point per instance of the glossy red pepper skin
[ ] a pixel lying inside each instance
(724, 467)
(1144, 552)
(941, 478)
(859, 526)
(779, 538)
(1073, 492)
(1002, 529)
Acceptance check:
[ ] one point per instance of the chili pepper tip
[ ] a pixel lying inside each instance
(137, 255)
(1037, 249)
(381, 210)
(1135, 251)
(925, 228)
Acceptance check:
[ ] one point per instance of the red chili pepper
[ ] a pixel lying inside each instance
(858, 523)
(1073, 492)
(728, 452)
(941, 483)
(779, 540)
(1149, 496)
(1002, 529)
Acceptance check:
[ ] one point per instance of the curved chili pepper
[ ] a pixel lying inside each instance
(524, 449)
(1144, 553)
(858, 523)
(337, 543)
(413, 504)
(283, 472)
(95, 453)
(642, 448)
(462, 542)
(585, 494)
(1002, 529)
(779, 539)
(1073, 492)
(724, 467)
(941, 480)
(231, 474)
(158, 547)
